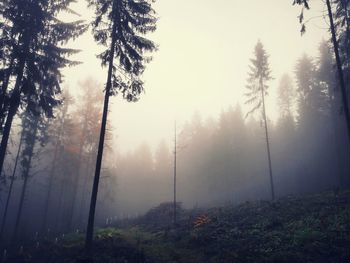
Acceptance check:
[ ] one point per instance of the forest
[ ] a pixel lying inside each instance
(248, 163)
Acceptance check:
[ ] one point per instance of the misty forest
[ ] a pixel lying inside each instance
(174, 131)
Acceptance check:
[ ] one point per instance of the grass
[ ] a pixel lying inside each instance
(313, 228)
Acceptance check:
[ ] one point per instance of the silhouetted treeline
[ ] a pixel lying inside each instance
(50, 140)
(225, 160)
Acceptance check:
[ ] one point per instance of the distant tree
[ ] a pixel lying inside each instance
(175, 175)
(34, 130)
(326, 73)
(312, 100)
(91, 110)
(342, 26)
(227, 156)
(327, 80)
(59, 130)
(163, 170)
(12, 180)
(339, 28)
(313, 115)
(88, 110)
(259, 76)
(162, 158)
(286, 95)
(119, 25)
(34, 47)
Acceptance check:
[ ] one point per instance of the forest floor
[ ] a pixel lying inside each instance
(313, 228)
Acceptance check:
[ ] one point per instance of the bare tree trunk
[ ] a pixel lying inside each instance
(26, 177)
(175, 152)
(10, 189)
(84, 190)
(267, 141)
(76, 179)
(90, 226)
(60, 202)
(339, 68)
(49, 189)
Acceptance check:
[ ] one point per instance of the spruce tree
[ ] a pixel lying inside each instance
(259, 76)
(119, 25)
(37, 56)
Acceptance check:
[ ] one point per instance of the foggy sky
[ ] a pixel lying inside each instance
(202, 61)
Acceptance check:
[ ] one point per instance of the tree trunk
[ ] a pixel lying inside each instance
(10, 189)
(49, 189)
(175, 152)
(8, 124)
(60, 202)
(4, 91)
(267, 142)
(90, 226)
(84, 190)
(339, 68)
(76, 178)
(5, 86)
(26, 177)
(14, 103)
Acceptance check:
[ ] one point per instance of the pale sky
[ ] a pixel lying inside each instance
(202, 61)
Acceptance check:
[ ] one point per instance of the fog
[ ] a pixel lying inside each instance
(195, 91)
(202, 62)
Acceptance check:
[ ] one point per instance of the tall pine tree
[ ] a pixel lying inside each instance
(259, 76)
(119, 26)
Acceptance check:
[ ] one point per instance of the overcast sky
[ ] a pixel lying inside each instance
(202, 61)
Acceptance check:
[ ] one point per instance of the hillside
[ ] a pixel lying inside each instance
(314, 228)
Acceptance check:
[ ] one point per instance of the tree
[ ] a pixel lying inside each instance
(327, 80)
(119, 26)
(59, 130)
(34, 130)
(162, 158)
(313, 115)
(259, 76)
(286, 96)
(35, 49)
(91, 111)
(3, 222)
(163, 170)
(342, 16)
(88, 111)
(175, 164)
(7, 44)
(342, 26)
(312, 99)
